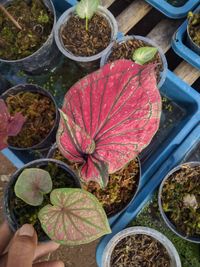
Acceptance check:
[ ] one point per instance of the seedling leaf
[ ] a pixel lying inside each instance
(32, 184)
(143, 55)
(75, 217)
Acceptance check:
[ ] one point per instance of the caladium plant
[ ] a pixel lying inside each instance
(9, 125)
(86, 9)
(73, 216)
(143, 55)
(108, 118)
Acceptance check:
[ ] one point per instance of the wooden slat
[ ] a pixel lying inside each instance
(107, 3)
(162, 33)
(132, 14)
(187, 73)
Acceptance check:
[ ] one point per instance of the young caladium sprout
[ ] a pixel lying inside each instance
(75, 217)
(32, 185)
(85, 9)
(143, 55)
(9, 125)
(110, 116)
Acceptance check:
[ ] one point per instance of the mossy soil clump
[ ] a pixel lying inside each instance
(25, 213)
(40, 114)
(120, 189)
(126, 49)
(82, 42)
(194, 27)
(36, 22)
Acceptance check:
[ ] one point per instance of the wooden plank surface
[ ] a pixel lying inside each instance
(187, 72)
(132, 14)
(163, 32)
(107, 3)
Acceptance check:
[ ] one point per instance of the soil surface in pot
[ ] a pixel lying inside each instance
(86, 43)
(40, 113)
(181, 200)
(121, 187)
(25, 213)
(194, 28)
(140, 250)
(126, 49)
(36, 22)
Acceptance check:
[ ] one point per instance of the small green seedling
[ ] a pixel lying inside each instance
(143, 55)
(86, 9)
(72, 217)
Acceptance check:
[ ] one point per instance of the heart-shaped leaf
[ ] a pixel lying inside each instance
(86, 8)
(143, 55)
(119, 108)
(32, 184)
(75, 218)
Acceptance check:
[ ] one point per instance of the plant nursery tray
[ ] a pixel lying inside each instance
(144, 211)
(172, 11)
(180, 114)
(179, 44)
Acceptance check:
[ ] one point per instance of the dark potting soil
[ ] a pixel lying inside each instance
(40, 113)
(36, 22)
(120, 189)
(181, 200)
(177, 3)
(194, 28)
(140, 250)
(25, 213)
(126, 49)
(86, 43)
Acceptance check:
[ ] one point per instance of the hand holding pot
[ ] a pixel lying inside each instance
(23, 249)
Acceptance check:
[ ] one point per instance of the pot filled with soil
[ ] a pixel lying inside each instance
(179, 201)
(141, 50)
(193, 31)
(29, 44)
(120, 190)
(85, 40)
(39, 109)
(47, 194)
(140, 246)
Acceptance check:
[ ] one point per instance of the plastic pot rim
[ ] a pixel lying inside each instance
(165, 218)
(163, 74)
(172, 252)
(63, 19)
(45, 93)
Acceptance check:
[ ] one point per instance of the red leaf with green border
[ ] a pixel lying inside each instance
(119, 107)
(74, 218)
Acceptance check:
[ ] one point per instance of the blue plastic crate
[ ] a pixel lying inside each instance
(185, 115)
(179, 44)
(62, 5)
(172, 11)
(187, 148)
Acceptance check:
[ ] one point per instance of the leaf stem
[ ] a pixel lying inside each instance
(86, 23)
(10, 17)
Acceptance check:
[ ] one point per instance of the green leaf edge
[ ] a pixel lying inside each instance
(79, 4)
(75, 243)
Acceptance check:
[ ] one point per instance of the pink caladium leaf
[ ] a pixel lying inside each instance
(119, 108)
(32, 185)
(75, 217)
(9, 125)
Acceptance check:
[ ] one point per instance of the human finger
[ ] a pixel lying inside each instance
(23, 246)
(49, 264)
(5, 235)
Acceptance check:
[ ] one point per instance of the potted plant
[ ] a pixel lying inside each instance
(141, 50)
(41, 116)
(179, 201)
(84, 32)
(30, 45)
(107, 118)
(193, 30)
(47, 194)
(10, 125)
(140, 246)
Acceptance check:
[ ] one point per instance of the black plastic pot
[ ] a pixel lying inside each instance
(51, 154)
(4, 84)
(9, 191)
(50, 138)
